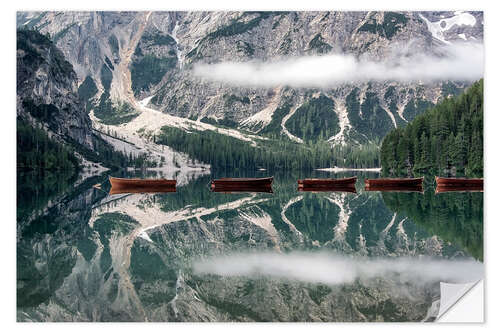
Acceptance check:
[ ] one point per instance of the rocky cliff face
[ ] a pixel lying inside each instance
(47, 90)
(134, 55)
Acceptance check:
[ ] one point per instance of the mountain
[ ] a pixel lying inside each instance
(47, 90)
(54, 130)
(130, 64)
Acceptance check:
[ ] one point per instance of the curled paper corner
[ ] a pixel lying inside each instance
(461, 302)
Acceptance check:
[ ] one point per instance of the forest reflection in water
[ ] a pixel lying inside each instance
(135, 257)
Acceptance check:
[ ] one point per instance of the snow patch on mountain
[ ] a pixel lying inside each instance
(439, 27)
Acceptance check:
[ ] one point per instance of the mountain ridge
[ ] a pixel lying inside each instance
(170, 43)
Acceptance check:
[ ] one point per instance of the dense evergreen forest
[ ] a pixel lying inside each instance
(36, 151)
(445, 140)
(224, 152)
(314, 120)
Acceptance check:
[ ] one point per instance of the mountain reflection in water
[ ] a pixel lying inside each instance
(196, 255)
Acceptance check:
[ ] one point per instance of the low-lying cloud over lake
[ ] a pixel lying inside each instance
(463, 61)
(333, 269)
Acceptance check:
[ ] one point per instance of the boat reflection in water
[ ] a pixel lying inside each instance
(327, 185)
(347, 189)
(459, 182)
(443, 189)
(142, 190)
(230, 185)
(139, 185)
(245, 189)
(459, 185)
(393, 182)
(392, 188)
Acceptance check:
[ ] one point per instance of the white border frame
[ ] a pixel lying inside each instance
(8, 132)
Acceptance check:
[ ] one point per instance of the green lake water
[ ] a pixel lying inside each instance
(195, 255)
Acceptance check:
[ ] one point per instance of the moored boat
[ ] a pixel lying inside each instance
(138, 183)
(459, 182)
(231, 183)
(327, 182)
(393, 182)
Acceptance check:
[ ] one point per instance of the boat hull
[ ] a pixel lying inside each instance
(458, 182)
(148, 185)
(235, 183)
(326, 182)
(393, 182)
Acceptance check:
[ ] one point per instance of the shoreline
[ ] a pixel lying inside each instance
(337, 169)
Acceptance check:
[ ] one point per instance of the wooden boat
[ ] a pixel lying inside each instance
(235, 183)
(327, 182)
(150, 185)
(379, 182)
(470, 188)
(399, 188)
(348, 189)
(460, 182)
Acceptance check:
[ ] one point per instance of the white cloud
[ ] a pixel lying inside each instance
(461, 61)
(335, 269)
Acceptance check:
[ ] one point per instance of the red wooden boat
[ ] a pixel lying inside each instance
(379, 182)
(460, 182)
(348, 189)
(327, 182)
(235, 183)
(399, 188)
(141, 185)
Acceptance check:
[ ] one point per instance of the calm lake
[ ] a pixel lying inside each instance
(195, 255)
